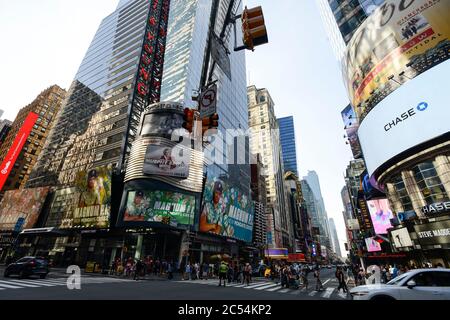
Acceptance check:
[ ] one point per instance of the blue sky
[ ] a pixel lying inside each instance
(47, 39)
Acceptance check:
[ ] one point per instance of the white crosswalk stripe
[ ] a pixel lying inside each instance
(328, 292)
(269, 286)
(15, 284)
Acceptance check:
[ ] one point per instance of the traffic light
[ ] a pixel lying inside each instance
(188, 118)
(254, 28)
(211, 122)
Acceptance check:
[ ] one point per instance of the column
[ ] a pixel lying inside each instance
(140, 240)
(442, 165)
(414, 192)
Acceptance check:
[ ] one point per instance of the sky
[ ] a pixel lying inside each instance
(44, 42)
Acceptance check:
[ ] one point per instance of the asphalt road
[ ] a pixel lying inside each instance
(113, 288)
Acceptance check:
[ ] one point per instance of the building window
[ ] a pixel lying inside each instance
(429, 183)
(402, 193)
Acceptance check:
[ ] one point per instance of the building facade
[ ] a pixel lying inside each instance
(47, 106)
(265, 140)
(334, 236)
(288, 144)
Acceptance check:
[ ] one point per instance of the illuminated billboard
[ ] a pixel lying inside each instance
(381, 215)
(167, 161)
(166, 207)
(16, 147)
(401, 238)
(398, 42)
(373, 245)
(87, 204)
(227, 211)
(409, 117)
(20, 209)
(351, 128)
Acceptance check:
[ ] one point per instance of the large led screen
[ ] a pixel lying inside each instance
(399, 41)
(414, 114)
(227, 211)
(381, 215)
(372, 245)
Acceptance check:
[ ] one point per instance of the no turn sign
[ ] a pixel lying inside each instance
(208, 102)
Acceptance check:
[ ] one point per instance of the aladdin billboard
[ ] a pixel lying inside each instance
(20, 209)
(227, 211)
(398, 42)
(381, 215)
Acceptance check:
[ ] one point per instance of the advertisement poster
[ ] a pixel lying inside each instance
(167, 161)
(401, 238)
(407, 118)
(351, 128)
(435, 233)
(21, 208)
(162, 120)
(227, 211)
(381, 215)
(13, 153)
(372, 245)
(398, 42)
(172, 208)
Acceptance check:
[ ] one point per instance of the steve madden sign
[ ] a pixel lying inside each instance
(433, 233)
(436, 208)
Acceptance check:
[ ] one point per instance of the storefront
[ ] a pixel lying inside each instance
(434, 240)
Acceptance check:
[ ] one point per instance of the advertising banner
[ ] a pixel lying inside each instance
(372, 245)
(166, 207)
(399, 41)
(167, 161)
(433, 233)
(351, 128)
(381, 215)
(20, 209)
(277, 253)
(353, 224)
(162, 120)
(227, 211)
(401, 238)
(86, 205)
(410, 116)
(16, 147)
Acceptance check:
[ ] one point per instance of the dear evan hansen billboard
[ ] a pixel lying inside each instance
(16, 148)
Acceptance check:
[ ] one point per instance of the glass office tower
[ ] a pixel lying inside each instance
(287, 139)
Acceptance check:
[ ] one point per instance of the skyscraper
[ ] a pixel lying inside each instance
(46, 105)
(288, 144)
(343, 17)
(334, 238)
(265, 140)
(146, 51)
(313, 180)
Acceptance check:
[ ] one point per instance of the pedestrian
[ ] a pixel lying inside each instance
(319, 285)
(230, 275)
(170, 270)
(248, 273)
(205, 271)
(384, 273)
(223, 269)
(138, 269)
(341, 279)
(361, 277)
(304, 277)
(188, 271)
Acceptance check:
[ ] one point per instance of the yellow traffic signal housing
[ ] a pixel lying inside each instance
(254, 28)
(211, 122)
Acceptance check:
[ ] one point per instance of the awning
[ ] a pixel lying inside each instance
(44, 231)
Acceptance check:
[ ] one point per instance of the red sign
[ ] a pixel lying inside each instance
(300, 257)
(16, 148)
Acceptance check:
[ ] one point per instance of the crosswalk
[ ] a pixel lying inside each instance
(15, 284)
(329, 292)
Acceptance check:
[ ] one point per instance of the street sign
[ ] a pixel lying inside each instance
(220, 55)
(208, 102)
(19, 224)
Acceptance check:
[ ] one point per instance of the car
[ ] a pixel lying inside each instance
(419, 284)
(28, 266)
(259, 270)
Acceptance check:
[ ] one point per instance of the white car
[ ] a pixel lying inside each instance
(419, 284)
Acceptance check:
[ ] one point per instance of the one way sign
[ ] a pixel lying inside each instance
(208, 102)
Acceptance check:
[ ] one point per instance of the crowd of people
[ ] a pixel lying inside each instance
(138, 268)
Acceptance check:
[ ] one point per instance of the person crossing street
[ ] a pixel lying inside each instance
(341, 279)
(319, 285)
(223, 270)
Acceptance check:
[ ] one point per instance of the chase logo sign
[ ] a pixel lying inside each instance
(423, 106)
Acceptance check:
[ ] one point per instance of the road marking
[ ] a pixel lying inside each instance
(254, 286)
(312, 293)
(326, 281)
(327, 294)
(284, 291)
(275, 289)
(21, 284)
(10, 286)
(41, 283)
(267, 286)
(342, 295)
